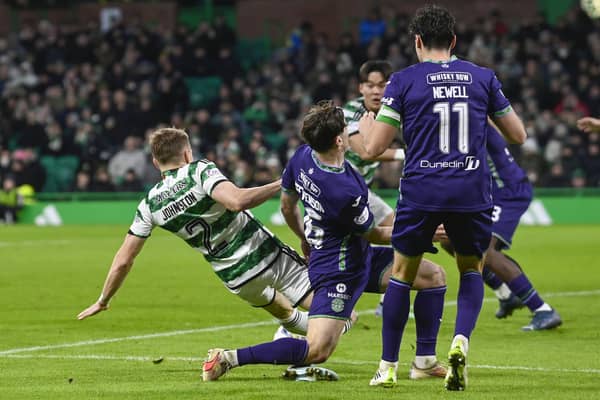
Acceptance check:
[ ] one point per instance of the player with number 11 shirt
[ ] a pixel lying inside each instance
(443, 104)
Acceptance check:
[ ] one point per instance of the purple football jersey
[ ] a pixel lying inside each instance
(505, 171)
(443, 108)
(336, 210)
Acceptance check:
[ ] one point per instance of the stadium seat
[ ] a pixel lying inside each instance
(252, 52)
(203, 90)
(60, 172)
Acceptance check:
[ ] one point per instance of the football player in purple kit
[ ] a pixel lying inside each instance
(512, 193)
(443, 104)
(335, 233)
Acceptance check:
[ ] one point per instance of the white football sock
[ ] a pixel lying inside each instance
(296, 323)
(231, 357)
(385, 365)
(544, 307)
(424, 362)
(503, 292)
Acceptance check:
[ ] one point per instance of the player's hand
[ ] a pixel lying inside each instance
(305, 249)
(366, 123)
(589, 124)
(92, 310)
(440, 234)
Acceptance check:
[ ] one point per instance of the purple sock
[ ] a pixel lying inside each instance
(282, 351)
(470, 298)
(491, 279)
(396, 305)
(523, 289)
(428, 308)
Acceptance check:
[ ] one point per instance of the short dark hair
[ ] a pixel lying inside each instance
(435, 25)
(321, 124)
(382, 66)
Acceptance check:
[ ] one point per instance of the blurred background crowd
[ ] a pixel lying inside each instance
(77, 102)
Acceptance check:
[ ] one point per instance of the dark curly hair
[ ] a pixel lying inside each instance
(435, 25)
(322, 123)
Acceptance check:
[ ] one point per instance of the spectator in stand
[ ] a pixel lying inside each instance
(131, 157)
(10, 201)
(81, 92)
(101, 182)
(372, 27)
(131, 182)
(82, 182)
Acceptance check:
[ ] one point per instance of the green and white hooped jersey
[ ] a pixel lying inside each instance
(237, 246)
(353, 111)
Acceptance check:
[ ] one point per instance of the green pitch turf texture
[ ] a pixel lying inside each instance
(172, 306)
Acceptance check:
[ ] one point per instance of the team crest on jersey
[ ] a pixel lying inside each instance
(337, 305)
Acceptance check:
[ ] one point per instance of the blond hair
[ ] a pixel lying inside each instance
(167, 144)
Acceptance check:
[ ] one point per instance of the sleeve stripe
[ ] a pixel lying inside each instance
(214, 185)
(503, 112)
(389, 121)
(135, 234)
(389, 112)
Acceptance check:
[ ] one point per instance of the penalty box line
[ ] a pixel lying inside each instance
(229, 327)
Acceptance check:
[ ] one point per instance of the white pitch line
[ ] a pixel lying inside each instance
(227, 327)
(332, 361)
(136, 337)
(34, 243)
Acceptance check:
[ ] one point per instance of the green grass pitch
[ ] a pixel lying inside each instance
(173, 306)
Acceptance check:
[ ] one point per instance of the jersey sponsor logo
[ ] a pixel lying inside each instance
(309, 184)
(179, 206)
(213, 172)
(341, 287)
(470, 163)
(171, 192)
(363, 217)
(388, 101)
(449, 77)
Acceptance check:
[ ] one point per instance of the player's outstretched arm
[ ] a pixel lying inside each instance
(357, 145)
(239, 199)
(293, 218)
(377, 135)
(589, 124)
(511, 127)
(379, 235)
(121, 265)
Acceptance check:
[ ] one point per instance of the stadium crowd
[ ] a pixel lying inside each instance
(77, 91)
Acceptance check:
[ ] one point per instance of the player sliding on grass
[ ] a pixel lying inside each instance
(443, 104)
(338, 225)
(197, 203)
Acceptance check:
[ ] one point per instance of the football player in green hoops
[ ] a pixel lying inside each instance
(197, 203)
